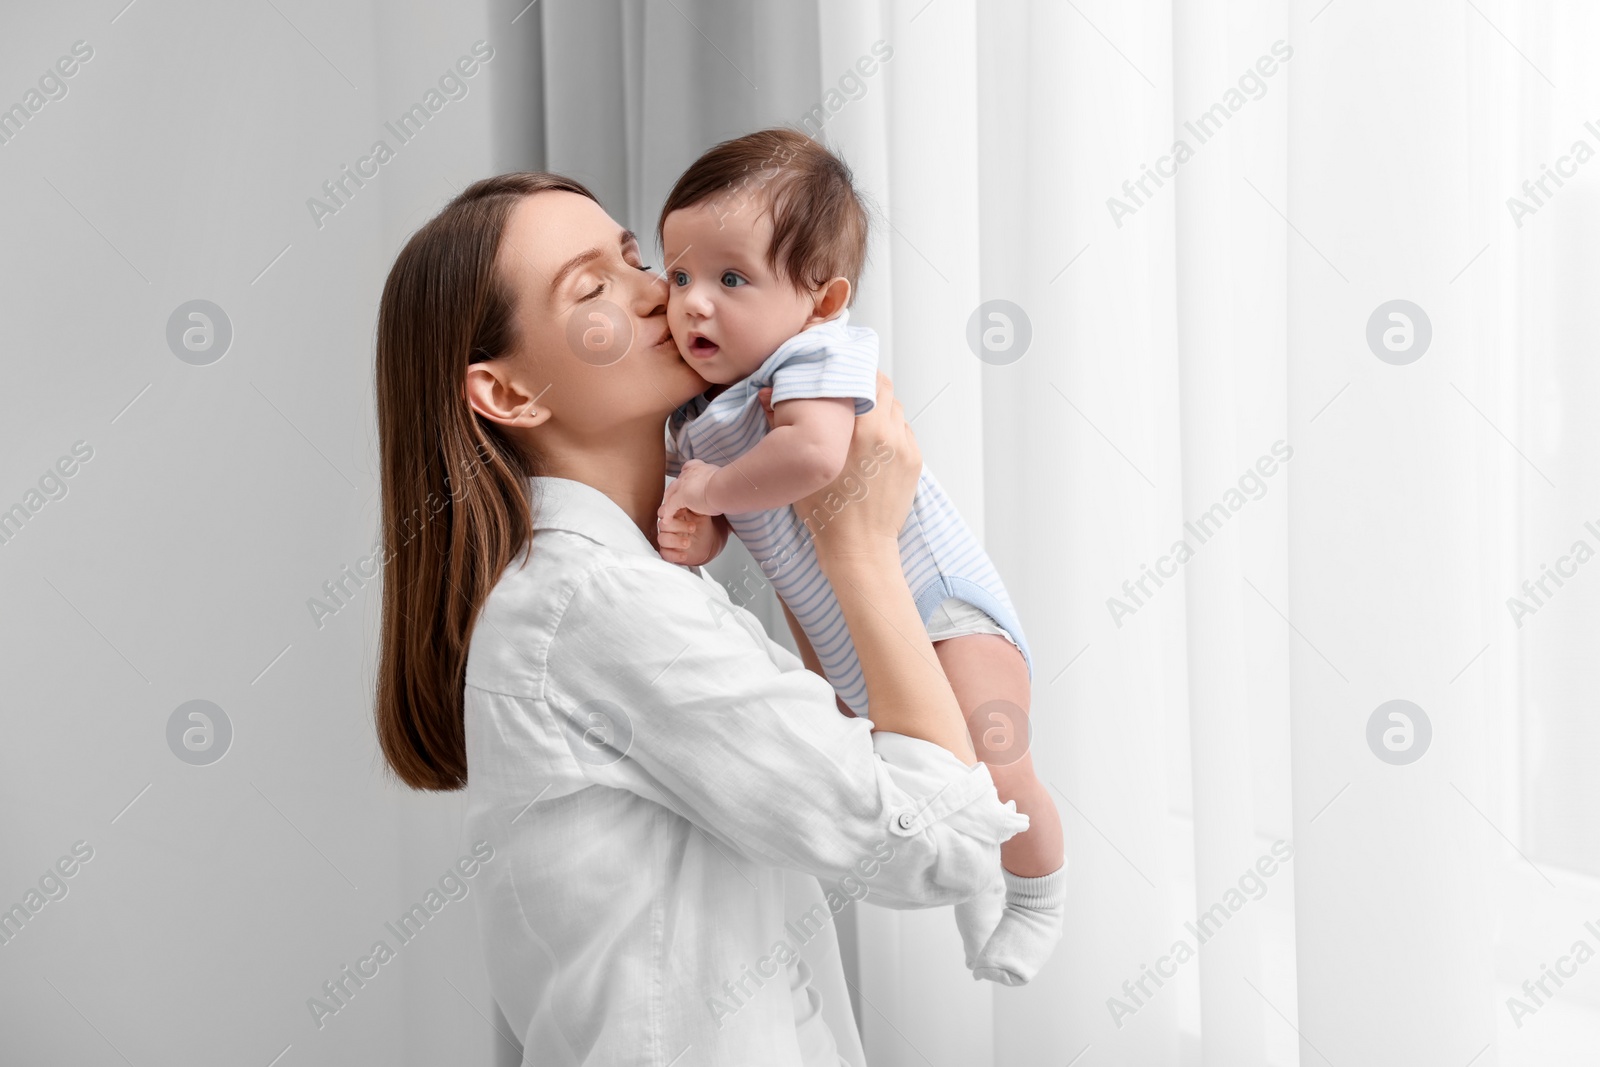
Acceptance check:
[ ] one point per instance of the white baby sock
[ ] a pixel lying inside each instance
(1028, 930)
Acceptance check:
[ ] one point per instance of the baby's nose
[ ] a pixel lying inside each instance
(696, 302)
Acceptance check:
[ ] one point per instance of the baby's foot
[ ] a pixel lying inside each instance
(1028, 930)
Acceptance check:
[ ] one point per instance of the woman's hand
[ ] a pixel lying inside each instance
(864, 509)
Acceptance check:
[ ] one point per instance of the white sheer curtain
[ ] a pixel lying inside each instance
(1197, 316)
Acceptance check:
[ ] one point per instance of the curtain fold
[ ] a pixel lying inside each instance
(1384, 555)
(1217, 651)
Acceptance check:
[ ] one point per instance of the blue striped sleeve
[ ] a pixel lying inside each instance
(838, 368)
(677, 444)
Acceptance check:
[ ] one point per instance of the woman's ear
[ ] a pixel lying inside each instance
(494, 394)
(829, 300)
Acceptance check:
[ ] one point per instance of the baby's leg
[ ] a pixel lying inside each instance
(1008, 940)
(987, 669)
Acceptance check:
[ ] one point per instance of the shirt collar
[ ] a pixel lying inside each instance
(564, 504)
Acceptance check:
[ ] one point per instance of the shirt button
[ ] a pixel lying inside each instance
(906, 820)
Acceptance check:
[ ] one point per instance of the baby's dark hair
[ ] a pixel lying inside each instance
(819, 223)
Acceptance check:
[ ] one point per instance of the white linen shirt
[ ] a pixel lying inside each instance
(651, 770)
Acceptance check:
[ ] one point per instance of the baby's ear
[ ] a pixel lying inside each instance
(829, 300)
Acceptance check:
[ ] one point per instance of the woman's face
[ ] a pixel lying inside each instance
(594, 347)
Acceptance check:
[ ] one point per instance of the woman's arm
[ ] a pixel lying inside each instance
(657, 685)
(858, 547)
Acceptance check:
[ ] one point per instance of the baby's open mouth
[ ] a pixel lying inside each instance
(701, 347)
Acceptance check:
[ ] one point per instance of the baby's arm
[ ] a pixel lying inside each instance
(804, 451)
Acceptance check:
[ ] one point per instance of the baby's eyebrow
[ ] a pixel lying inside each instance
(674, 261)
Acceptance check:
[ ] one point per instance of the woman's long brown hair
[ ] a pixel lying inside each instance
(456, 509)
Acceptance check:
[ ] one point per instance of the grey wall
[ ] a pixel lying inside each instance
(176, 562)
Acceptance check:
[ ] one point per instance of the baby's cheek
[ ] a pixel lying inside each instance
(760, 338)
(675, 321)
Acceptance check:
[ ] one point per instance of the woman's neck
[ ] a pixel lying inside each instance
(628, 467)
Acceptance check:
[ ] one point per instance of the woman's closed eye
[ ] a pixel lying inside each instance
(599, 290)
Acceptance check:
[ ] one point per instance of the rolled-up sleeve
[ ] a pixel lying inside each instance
(664, 688)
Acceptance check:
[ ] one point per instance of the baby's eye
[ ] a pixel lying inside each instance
(680, 278)
(732, 280)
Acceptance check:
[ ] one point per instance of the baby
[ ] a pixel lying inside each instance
(764, 239)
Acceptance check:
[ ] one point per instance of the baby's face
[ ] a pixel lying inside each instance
(727, 309)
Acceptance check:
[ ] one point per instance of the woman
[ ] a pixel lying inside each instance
(643, 764)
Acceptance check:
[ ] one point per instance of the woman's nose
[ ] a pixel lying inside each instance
(651, 294)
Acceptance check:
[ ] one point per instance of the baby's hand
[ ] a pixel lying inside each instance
(688, 539)
(689, 490)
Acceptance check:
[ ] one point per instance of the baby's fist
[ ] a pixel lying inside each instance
(687, 539)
